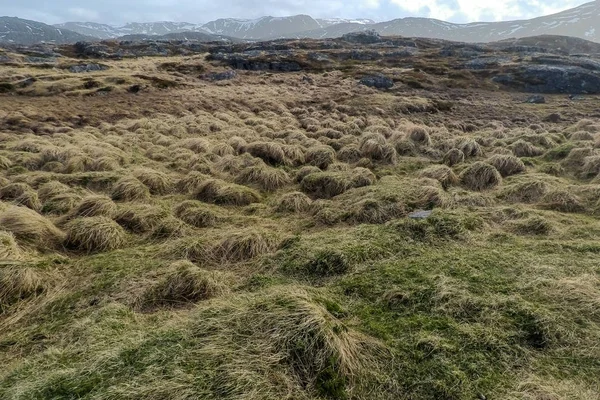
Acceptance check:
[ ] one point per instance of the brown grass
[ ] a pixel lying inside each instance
(442, 174)
(21, 194)
(295, 202)
(221, 192)
(158, 182)
(330, 184)
(243, 246)
(196, 214)
(265, 177)
(9, 248)
(30, 228)
(454, 157)
(481, 176)
(507, 165)
(19, 282)
(94, 234)
(95, 206)
(320, 156)
(140, 218)
(130, 189)
(522, 148)
(182, 285)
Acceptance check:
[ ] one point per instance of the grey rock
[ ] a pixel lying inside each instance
(26, 82)
(420, 214)
(536, 99)
(87, 68)
(553, 118)
(5, 59)
(220, 76)
(366, 37)
(318, 57)
(485, 63)
(377, 81)
(40, 60)
(552, 79)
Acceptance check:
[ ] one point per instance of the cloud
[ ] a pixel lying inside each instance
(478, 10)
(196, 11)
(84, 14)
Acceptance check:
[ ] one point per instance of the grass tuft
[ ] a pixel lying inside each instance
(94, 234)
(481, 176)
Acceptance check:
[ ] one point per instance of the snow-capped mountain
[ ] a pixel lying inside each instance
(22, 31)
(325, 22)
(262, 28)
(582, 22)
(103, 31)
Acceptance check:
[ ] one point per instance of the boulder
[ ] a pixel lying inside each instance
(536, 99)
(553, 118)
(76, 69)
(366, 37)
(377, 81)
(220, 76)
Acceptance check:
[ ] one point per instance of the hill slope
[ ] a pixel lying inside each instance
(22, 31)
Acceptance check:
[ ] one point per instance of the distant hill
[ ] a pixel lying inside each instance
(581, 22)
(22, 31)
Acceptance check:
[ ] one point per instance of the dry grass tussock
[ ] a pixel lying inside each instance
(95, 206)
(265, 177)
(507, 165)
(30, 228)
(183, 284)
(196, 214)
(130, 189)
(18, 282)
(295, 202)
(442, 174)
(140, 218)
(331, 184)
(244, 246)
(21, 194)
(94, 234)
(9, 248)
(223, 193)
(481, 176)
(267, 330)
(157, 182)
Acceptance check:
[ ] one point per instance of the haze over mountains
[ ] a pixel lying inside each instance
(582, 22)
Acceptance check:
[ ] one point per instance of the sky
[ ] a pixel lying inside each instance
(118, 12)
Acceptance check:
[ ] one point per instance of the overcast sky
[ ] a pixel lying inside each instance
(197, 11)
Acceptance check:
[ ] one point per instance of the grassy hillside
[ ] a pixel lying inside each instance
(252, 238)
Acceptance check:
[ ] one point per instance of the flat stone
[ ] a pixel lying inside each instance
(420, 214)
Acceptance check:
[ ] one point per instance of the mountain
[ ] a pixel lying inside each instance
(103, 31)
(262, 28)
(100, 31)
(336, 21)
(22, 31)
(582, 22)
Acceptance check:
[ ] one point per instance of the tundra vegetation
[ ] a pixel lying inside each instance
(251, 238)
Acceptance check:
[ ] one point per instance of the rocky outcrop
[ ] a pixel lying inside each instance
(87, 68)
(366, 37)
(551, 79)
(377, 82)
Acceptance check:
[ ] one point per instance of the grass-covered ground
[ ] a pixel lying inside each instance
(251, 239)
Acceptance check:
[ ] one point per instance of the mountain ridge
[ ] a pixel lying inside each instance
(580, 22)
